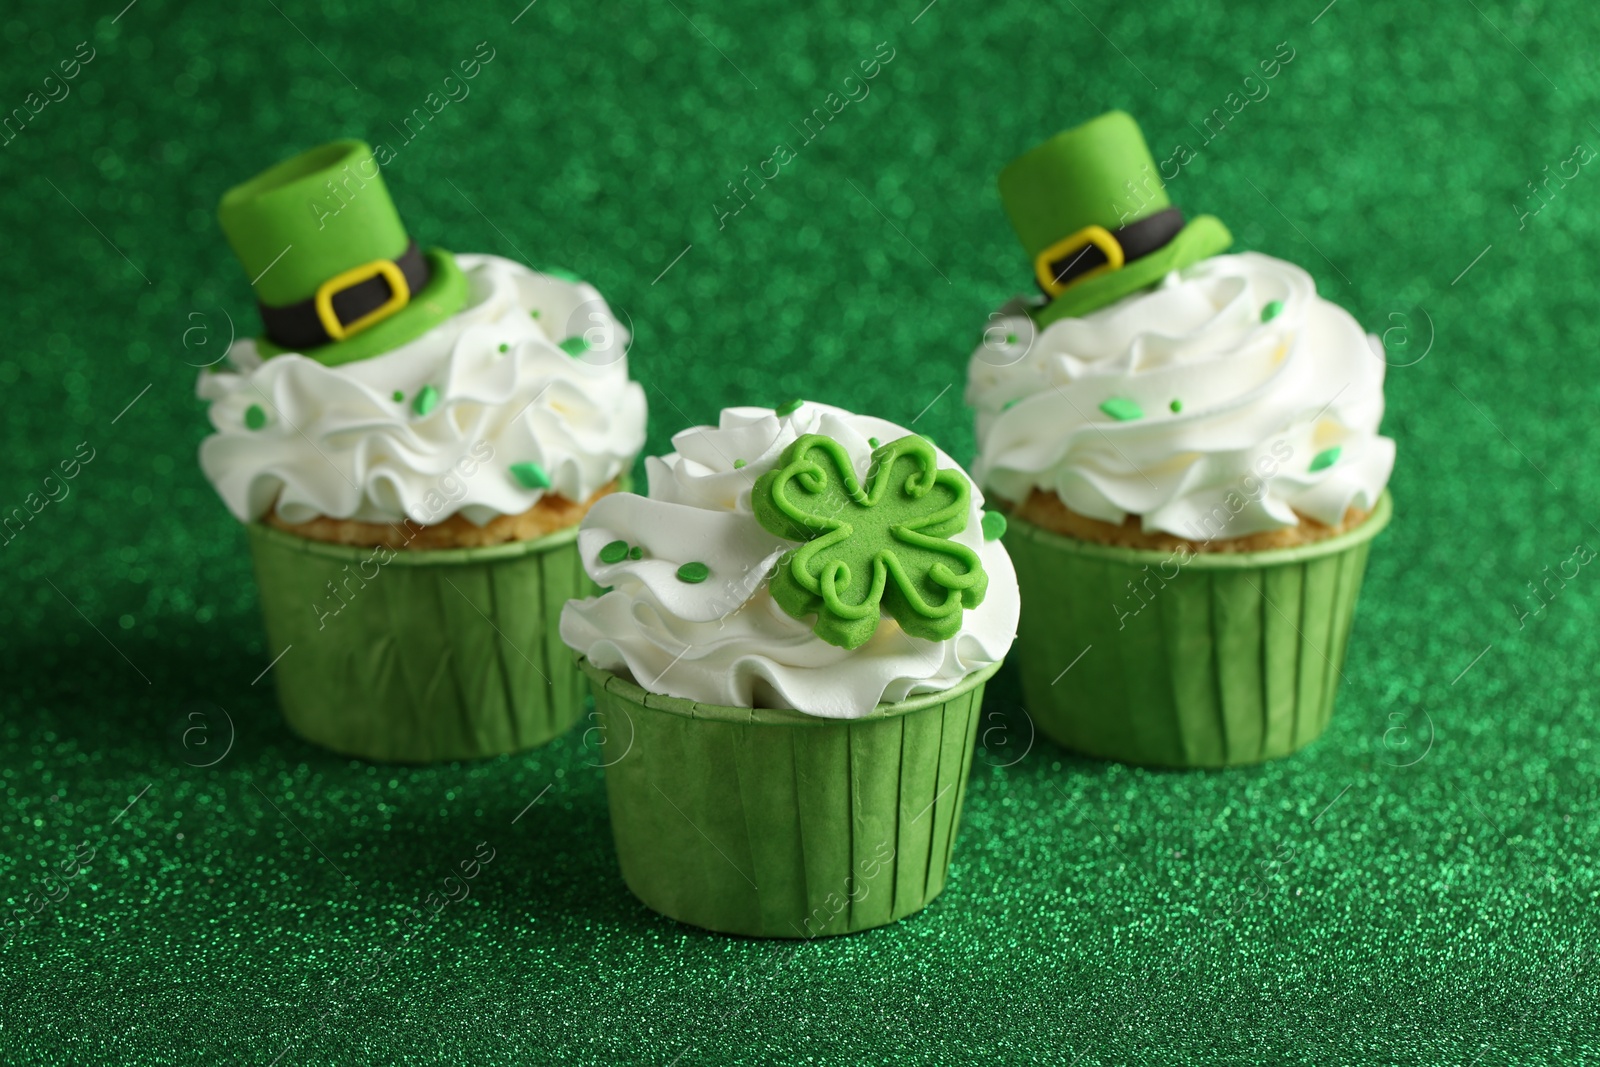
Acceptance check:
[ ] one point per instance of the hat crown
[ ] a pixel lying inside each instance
(1098, 174)
(310, 218)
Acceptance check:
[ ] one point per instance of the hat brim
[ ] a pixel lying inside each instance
(1204, 236)
(443, 296)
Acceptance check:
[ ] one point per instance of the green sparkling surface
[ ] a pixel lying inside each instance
(254, 417)
(427, 399)
(994, 525)
(530, 475)
(576, 345)
(1121, 409)
(1326, 458)
(614, 552)
(1270, 310)
(1436, 913)
(694, 572)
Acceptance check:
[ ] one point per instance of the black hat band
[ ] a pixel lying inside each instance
(349, 302)
(1095, 250)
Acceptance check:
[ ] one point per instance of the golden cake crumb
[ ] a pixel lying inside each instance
(551, 513)
(1046, 511)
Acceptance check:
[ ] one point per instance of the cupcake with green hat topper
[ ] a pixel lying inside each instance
(412, 442)
(789, 665)
(1186, 444)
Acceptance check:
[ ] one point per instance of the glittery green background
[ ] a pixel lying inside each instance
(1417, 887)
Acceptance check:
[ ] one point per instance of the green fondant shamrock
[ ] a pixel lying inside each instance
(880, 549)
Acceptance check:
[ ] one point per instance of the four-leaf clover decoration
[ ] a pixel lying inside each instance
(880, 549)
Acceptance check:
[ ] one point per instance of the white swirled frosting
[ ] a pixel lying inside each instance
(335, 441)
(725, 640)
(1227, 409)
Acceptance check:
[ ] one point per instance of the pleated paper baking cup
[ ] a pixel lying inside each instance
(418, 656)
(779, 824)
(1230, 658)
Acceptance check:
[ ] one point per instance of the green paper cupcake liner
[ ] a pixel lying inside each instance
(433, 655)
(1233, 659)
(778, 824)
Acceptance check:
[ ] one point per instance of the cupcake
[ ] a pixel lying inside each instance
(412, 443)
(1186, 444)
(789, 664)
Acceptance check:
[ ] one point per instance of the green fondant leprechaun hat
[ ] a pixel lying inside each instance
(335, 273)
(1090, 209)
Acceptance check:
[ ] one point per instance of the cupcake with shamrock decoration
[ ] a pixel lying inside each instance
(1187, 446)
(789, 665)
(412, 443)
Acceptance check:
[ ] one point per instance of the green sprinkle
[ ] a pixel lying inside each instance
(535, 312)
(426, 400)
(557, 272)
(788, 407)
(1326, 458)
(530, 475)
(994, 525)
(1270, 312)
(574, 346)
(1009, 404)
(505, 348)
(693, 573)
(399, 397)
(873, 441)
(1011, 338)
(1176, 406)
(615, 552)
(738, 463)
(254, 417)
(1122, 410)
(636, 552)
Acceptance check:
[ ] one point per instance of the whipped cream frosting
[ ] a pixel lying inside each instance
(725, 640)
(533, 370)
(1230, 392)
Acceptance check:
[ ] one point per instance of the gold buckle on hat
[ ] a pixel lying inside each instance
(399, 297)
(1098, 236)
